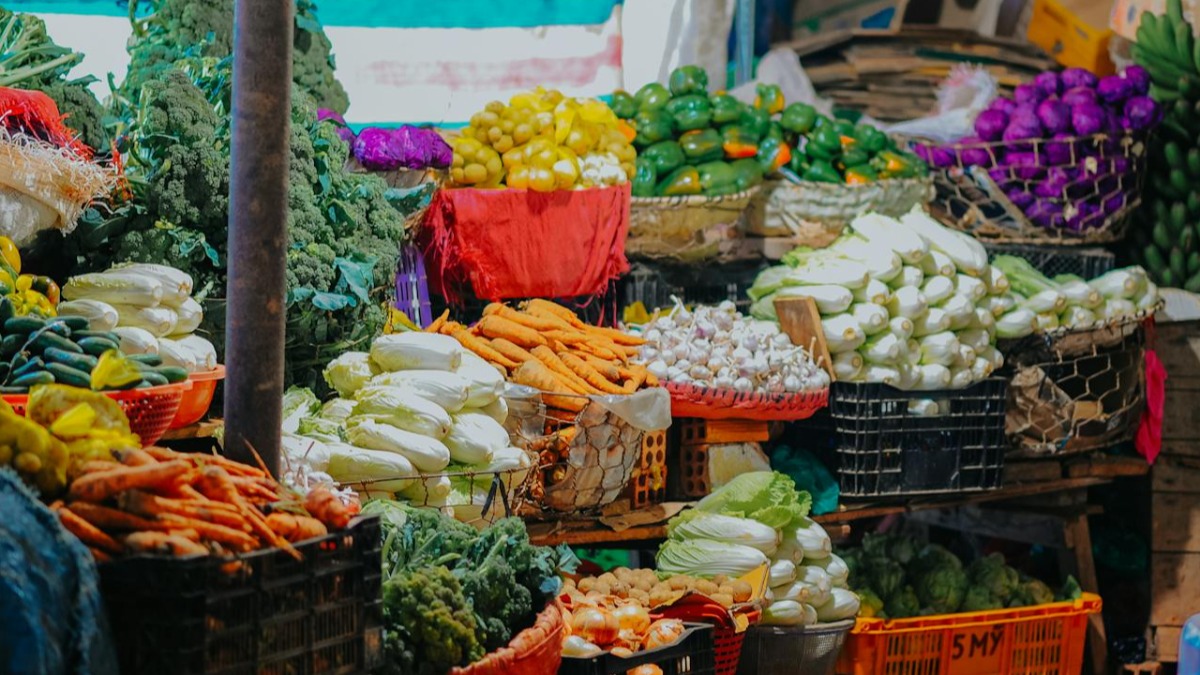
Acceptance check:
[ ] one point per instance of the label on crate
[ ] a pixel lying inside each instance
(976, 650)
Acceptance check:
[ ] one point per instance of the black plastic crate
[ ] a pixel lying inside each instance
(1088, 262)
(692, 654)
(885, 448)
(259, 613)
(710, 284)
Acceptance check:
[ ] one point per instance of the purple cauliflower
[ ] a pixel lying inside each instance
(343, 130)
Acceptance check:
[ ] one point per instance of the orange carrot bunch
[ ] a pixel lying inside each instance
(164, 502)
(546, 346)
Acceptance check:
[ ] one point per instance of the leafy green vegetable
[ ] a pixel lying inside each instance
(769, 497)
(979, 599)
(883, 574)
(428, 624)
(942, 588)
(902, 604)
(991, 573)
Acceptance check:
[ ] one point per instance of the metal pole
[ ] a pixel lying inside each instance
(743, 69)
(254, 330)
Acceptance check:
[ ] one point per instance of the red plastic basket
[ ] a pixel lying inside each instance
(150, 410)
(1039, 640)
(727, 641)
(196, 401)
(719, 404)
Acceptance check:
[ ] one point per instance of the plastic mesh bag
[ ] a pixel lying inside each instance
(50, 607)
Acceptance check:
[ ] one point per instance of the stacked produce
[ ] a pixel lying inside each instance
(757, 519)
(543, 141)
(646, 590)
(452, 593)
(415, 418)
(1068, 301)
(829, 151)
(720, 348)
(898, 577)
(1166, 240)
(694, 143)
(1062, 148)
(906, 302)
(599, 623)
(149, 307)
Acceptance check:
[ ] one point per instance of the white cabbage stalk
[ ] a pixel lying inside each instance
(789, 613)
(136, 340)
(993, 355)
(997, 282)
(448, 390)
(938, 264)
(1047, 301)
(842, 604)
(428, 491)
(884, 350)
(907, 301)
(116, 288)
(847, 365)
(176, 354)
(909, 276)
(882, 375)
(960, 311)
(158, 321)
(1124, 283)
(875, 292)
(782, 571)
(981, 368)
(886, 232)
(100, 315)
(428, 455)
(1079, 293)
(940, 348)
(497, 410)
(912, 352)
(206, 354)
(937, 289)
(349, 372)
(474, 437)
(416, 350)
(829, 299)
(1077, 317)
(1047, 321)
(818, 270)
(403, 409)
(793, 591)
(842, 333)
(966, 356)
(871, 317)
(726, 529)
(984, 319)
(934, 321)
(961, 378)
(1016, 324)
(804, 539)
(1116, 308)
(484, 383)
(933, 376)
(882, 263)
(901, 326)
(817, 581)
(835, 567)
(705, 558)
(999, 305)
(188, 315)
(975, 339)
(970, 287)
(968, 254)
(378, 470)
(177, 285)
(1149, 297)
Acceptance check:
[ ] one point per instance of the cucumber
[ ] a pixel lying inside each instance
(153, 379)
(47, 340)
(1179, 182)
(1173, 154)
(11, 344)
(1162, 210)
(19, 360)
(1192, 285)
(1160, 235)
(82, 362)
(14, 390)
(75, 322)
(111, 337)
(1179, 217)
(68, 375)
(145, 359)
(1193, 204)
(37, 377)
(1193, 162)
(1193, 262)
(172, 373)
(1154, 260)
(4, 368)
(31, 366)
(7, 311)
(95, 345)
(23, 324)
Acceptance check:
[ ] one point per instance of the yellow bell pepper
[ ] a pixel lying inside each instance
(8, 251)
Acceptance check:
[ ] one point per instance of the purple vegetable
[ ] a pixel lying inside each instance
(1021, 129)
(1055, 116)
(1085, 215)
(1114, 204)
(1088, 118)
(1074, 97)
(1120, 164)
(1004, 105)
(1141, 113)
(1045, 213)
(1058, 151)
(942, 158)
(419, 148)
(1078, 77)
(1024, 166)
(344, 132)
(974, 156)
(1056, 183)
(1028, 93)
(1139, 80)
(373, 149)
(1049, 83)
(1019, 197)
(990, 125)
(1114, 90)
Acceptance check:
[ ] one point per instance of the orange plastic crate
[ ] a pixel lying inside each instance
(1045, 639)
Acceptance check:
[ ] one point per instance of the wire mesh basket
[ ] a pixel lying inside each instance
(1064, 190)
(815, 213)
(784, 650)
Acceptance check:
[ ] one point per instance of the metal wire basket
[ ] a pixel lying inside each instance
(793, 650)
(477, 498)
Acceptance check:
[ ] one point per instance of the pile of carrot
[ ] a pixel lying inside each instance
(546, 346)
(157, 501)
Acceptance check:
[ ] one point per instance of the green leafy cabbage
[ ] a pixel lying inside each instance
(769, 497)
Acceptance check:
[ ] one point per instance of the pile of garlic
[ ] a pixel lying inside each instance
(720, 348)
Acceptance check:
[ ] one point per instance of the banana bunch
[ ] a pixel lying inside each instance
(1166, 231)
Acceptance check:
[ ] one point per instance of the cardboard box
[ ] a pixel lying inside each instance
(1074, 32)
(1127, 14)
(824, 16)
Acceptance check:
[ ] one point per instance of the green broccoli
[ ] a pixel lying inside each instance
(312, 60)
(902, 604)
(991, 573)
(82, 113)
(942, 589)
(429, 627)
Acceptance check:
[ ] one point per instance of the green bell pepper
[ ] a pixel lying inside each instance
(646, 178)
(769, 97)
(853, 156)
(844, 128)
(893, 164)
(824, 143)
(871, 139)
(653, 96)
(860, 174)
(799, 163)
(690, 111)
(747, 172)
(653, 126)
(738, 142)
(623, 105)
(717, 178)
(821, 171)
(774, 130)
(755, 121)
(725, 109)
(666, 156)
(682, 181)
(798, 118)
(702, 146)
(772, 154)
(688, 80)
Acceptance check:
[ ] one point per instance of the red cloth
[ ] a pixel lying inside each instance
(503, 244)
(38, 111)
(1149, 434)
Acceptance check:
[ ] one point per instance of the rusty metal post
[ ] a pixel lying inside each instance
(254, 330)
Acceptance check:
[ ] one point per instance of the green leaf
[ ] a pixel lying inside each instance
(332, 302)
(355, 276)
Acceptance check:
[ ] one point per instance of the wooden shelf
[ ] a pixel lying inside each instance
(202, 429)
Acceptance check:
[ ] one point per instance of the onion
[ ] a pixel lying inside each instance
(662, 633)
(595, 625)
(632, 617)
(576, 646)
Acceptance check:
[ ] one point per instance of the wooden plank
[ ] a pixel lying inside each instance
(1178, 347)
(799, 318)
(1032, 471)
(202, 429)
(1107, 466)
(1164, 643)
(1179, 414)
(1174, 587)
(1079, 538)
(1175, 522)
(552, 534)
(1173, 473)
(1180, 448)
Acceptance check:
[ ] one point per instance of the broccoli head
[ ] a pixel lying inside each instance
(312, 60)
(429, 626)
(82, 113)
(942, 589)
(902, 604)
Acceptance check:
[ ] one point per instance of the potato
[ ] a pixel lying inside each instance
(724, 599)
(706, 587)
(680, 583)
(741, 591)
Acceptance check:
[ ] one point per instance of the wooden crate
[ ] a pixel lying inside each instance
(1176, 473)
(1176, 523)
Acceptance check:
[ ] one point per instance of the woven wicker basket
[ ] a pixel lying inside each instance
(543, 656)
(687, 228)
(815, 213)
(408, 179)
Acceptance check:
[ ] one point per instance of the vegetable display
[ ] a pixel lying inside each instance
(384, 149)
(898, 577)
(1062, 149)
(720, 348)
(906, 302)
(543, 141)
(760, 519)
(695, 143)
(452, 593)
(149, 309)
(825, 150)
(1068, 301)
(1166, 235)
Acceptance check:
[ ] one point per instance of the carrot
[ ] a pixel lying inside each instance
(482, 348)
(113, 519)
(528, 320)
(86, 532)
(450, 327)
(264, 488)
(327, 508)
(599, 351)
(511, 351)
(215, 483)
(555, 309)
(614, 335)
(146, 504)
(499, 327)
(226, 535)
(135, 457)
(296, 528)
(438, 322)
(201, 460)
(589, 374)
(651, 380)
(561, 372)
(190, 493)
(566, 337)
(611, 372)
(158, 542)
(99, 556)
(634, 374)
(96, 487)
